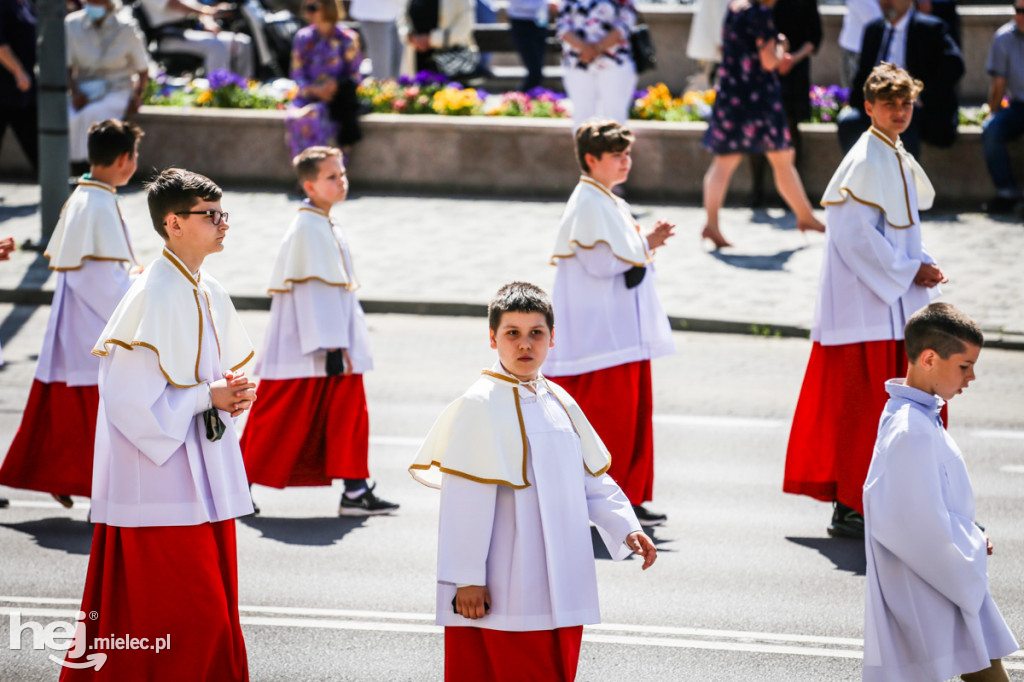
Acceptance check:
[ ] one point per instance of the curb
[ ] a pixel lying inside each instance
(995, 339)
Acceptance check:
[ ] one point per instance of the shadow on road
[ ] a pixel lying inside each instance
(846, 554)
(314, 532)
(8, 211)
(69, 535)
(601, 552)
(770, 262)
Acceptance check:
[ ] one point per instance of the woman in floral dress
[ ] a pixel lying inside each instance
(325, 65)
(748, 117)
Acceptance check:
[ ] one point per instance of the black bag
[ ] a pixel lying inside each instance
(645, 56)
(457, 62)
(344, 110)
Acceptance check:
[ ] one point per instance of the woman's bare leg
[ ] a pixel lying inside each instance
(787, 181)
(716, 184)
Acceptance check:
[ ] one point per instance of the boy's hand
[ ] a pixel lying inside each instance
(929, 275)
(470, 601)
(6, 247)
(234, 393)
(644, 546)
(660, 233)
(988, 544)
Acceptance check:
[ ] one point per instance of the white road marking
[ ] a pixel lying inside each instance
(605, 633)
(1013, 468)
(37, 504)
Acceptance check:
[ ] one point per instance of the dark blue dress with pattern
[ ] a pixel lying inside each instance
(747, 117)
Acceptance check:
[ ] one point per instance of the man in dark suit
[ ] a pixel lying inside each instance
(923, 46)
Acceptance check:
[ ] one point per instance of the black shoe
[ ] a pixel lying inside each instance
(366, 504)
(1000, 205)
(846, 523)
(648, 518)
(255, 507)
(4, 503)
(65, 500)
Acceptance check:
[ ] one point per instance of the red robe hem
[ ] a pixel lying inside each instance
(483, 655)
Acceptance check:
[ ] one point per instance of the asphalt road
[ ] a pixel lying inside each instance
(748, 586)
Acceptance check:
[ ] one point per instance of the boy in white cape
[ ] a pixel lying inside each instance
(522, 474)
(929, 615)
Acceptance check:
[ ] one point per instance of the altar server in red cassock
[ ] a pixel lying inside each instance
(611, 322)
(875, 274)
(91, 253)
(311, 424)
(168, 478)
(522, 475)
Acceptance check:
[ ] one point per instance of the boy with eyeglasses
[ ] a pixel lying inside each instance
(91, 252)
(311, 424)
(168, 477)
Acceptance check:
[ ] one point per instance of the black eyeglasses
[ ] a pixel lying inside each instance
(1018, 10)
(217, 216)
(311, 7)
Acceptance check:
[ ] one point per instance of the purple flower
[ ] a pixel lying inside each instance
(222, 78)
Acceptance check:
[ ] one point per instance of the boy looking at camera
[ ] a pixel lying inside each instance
(875, 273)
(929, 615)
(311, 424)
(168, 479)
(522, 475)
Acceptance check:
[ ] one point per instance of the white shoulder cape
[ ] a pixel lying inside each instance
(481, 436)
(310, 250)
(594, 215)
(162, 312)
(872, 173)
(90, 228)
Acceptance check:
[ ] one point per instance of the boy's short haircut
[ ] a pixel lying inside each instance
(110, 139)
(307, 163)
(597, 137)
(888, 82)
(519, 297)
(175, 190)
(942, 328)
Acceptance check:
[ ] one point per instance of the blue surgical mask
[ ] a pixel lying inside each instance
(95, 12)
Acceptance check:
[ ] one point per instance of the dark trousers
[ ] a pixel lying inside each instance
(531, 43)
(24, 122)
(854, 123)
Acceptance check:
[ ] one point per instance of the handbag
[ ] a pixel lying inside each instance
(645, 56)
(457, 62)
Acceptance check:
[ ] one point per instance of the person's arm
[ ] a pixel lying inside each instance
(600, 261)
(456, 24)
(99, 284)
(770, 53)
(465, 525)
(323, 314)
(10, 61)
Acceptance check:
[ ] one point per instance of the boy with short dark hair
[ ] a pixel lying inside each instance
(168, 477)
(929, 614)
(522, 475)
(612, 322)
(311, 424)
(92, 253)
(875, 273)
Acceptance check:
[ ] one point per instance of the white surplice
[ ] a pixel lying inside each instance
(153, 464)
(928, 615)
(314, 306)
(532, 546)
(873, 246)
(91, 252)
(600, 322)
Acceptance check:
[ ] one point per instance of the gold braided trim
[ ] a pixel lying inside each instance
(89, 257)
(569, 415)
(599, 241)
(181, 268)
(347, 286)
(868, 203)
(470, 477)
(143, 344)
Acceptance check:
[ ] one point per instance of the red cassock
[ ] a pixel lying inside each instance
(52, 451)
(836, 419)
(134, 586)
(624, 423)
(307, 431)
(482, 655)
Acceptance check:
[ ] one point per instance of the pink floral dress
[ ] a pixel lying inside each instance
(315, 59)
(748, 117)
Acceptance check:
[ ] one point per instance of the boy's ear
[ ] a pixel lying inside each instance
(171, 224)
(591, 160)
(551, 340)
(868, 106)
(494, 339)
(927, 358)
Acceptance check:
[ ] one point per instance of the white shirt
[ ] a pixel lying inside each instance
(859, 13)
(599, 323)
(897, 53)
(531, 547)
(114, 51)
(377, 10)
(928, 612)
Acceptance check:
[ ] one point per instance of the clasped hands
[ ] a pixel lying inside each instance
(929, 275)
(234, 393)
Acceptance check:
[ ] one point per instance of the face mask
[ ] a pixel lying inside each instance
(95, 12)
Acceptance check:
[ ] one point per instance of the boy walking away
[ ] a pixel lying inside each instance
(875, 273)
(91, 252)
(929, 615)
(168, 479)
(522, 475)
(311, 425)
(612, 322)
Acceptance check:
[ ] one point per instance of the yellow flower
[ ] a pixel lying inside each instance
(204, 97)
(709, 96)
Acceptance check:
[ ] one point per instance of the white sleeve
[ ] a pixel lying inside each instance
(611, 512)
(599, 261)
(864, 249)
(323, 313)
(153, 415)
(464, 530)
(909, 517)
(99, 284)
